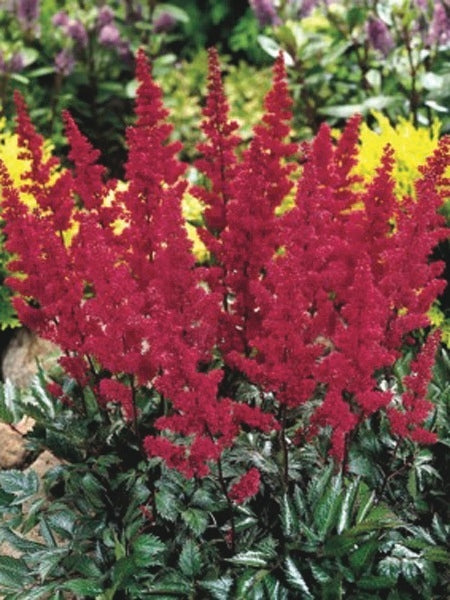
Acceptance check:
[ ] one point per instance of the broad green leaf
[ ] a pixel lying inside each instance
(167, 505)
(190, 561)
(327, 509)
(441, 531)
(196, 519)
(360, 558)
(251, 558)
(14, 573)
(10, 403)
(19, 542)
(319, 574)
(147, 550)
(347, 506)
(29, 56)
(390, 567)
(93, 490)
(295, 579)
(344, 111)
(272, 48)
(219, 588)
(289, 518)
(273, 588)
(47, 560)
(435, 106)
(21, 484)
(333, 589)
(432, 81)
(375, 582)
(83, 587)
(175, 11)
(247, 582)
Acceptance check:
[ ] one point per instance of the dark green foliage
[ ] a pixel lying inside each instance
(114, 525)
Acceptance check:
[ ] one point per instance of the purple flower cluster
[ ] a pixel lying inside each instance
(73, 28)
(265, 12)
(27, 12)
(163, 21)
(104, 29)
(379, 35)
(439, 32)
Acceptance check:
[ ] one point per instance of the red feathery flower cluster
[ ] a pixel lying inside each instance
(246, 487)
(316, 302)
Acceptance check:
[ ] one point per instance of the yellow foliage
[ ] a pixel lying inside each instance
(17, 167)
(412, 146)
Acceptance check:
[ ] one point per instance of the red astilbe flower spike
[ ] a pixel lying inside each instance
(408, 420)
(252, 235)
(89, 176)
(246, 487)
(218, 160)
(32, 145)
(335, 307)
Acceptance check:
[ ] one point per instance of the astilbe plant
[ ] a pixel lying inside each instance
(308, 304)
(223, 372)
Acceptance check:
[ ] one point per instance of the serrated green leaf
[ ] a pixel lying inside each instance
(245, 584)
(375, 582)
(319, 574)
(366, 501)
(327, 508)
(11, 402)
(439, 529)
(190, 561)
(46, 561)
(14, 573)
(147, 549)
(196, 519)
(167, 505)
(333, 589)
(347, 506)
(19, 542)
(219, 588)
(22, 484)
(361, 557)
(251, 558)
(63, 522)
(83, 587)
(171, 584)
(390, 567)
(295, 578)
(289, 518)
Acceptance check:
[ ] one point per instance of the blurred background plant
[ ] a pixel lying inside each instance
(348, 57)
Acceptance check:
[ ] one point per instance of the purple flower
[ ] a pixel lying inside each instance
(16, 62)
(163, 22)
(64, 62)
(60, 19)
(109, 35)
(105, 16)
(77, 31)
(27, 12)
(265, 12)
(13, 64)
(439, 32)
(379, 35)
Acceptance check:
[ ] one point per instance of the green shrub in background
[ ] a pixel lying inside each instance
(348, 57)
